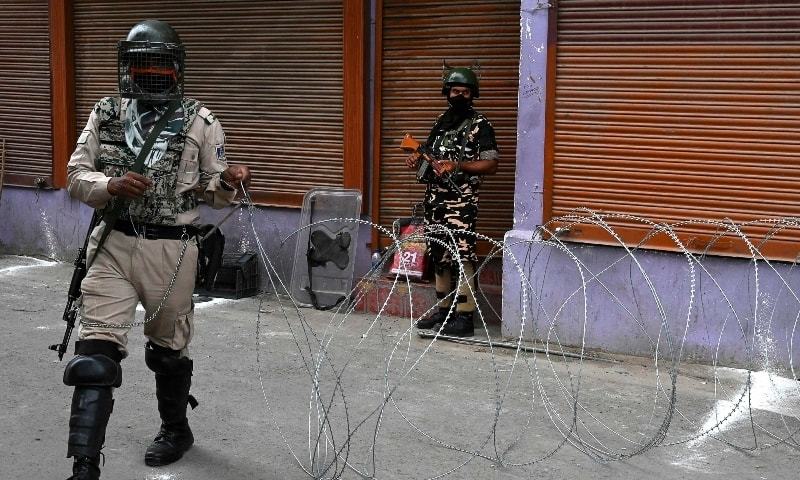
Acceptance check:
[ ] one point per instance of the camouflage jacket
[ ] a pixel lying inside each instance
(462, 139)
(192, 164)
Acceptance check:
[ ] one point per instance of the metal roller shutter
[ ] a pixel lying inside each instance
(416, 36)
(25, 116)
(270, 71)
(674, 111)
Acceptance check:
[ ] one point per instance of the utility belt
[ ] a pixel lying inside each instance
(210, 244)
(150, 231)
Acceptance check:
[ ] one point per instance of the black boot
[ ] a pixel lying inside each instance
(85, 468)
(93, 372)
(431, 321)
(172, 441)
(173, 380)
(459, 326)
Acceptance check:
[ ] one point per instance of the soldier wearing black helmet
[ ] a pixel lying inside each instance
(143, 159)
(464, 142)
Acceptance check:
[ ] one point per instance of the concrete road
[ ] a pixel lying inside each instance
(377, 401)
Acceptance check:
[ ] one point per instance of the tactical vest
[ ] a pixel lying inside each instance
(160, 204)
(455, 144)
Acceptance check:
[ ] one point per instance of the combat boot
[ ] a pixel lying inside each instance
(172, 441)
(173, 381)
(459, 326)
(430, 322)
(85, 468)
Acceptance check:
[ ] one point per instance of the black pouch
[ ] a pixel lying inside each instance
(209, 256)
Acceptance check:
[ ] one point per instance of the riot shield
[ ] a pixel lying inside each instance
(322, 275)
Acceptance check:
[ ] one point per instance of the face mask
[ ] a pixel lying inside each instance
(459, 103)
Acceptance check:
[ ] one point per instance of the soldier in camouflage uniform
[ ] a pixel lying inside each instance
(152, 234)
(464, 149)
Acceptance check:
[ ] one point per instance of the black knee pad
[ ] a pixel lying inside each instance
(165, 361)
(95, 364)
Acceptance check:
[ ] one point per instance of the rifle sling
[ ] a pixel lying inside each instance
(465, 137)
(110, 216)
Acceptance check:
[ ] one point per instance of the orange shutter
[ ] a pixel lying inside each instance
(676, 111)
(416, 37)
(25, 116)
(272, 72)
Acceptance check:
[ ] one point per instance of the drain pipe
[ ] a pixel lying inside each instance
(2, 167)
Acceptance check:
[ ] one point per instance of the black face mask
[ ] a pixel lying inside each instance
(459, 103)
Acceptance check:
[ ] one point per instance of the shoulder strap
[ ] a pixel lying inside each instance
(468, 122)
(110, 216)
(138, 165)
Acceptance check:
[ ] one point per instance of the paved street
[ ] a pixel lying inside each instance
(376, 402)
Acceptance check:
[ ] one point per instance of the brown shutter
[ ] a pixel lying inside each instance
(416, 37)
(270, 71)
(25, 118)
(675, 110)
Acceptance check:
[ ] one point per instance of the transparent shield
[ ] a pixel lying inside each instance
(326, 246)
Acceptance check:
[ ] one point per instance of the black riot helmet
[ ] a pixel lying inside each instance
(150, 62)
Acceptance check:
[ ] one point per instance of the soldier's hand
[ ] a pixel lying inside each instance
(445, 167)
(412, 161)
(131, 185)
(235, 174)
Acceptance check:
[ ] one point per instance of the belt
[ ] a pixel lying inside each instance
(152, 231)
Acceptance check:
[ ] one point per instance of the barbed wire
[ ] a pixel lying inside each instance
(548, 377)
(536, 380)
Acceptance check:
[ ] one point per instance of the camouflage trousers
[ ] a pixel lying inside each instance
(456, 212)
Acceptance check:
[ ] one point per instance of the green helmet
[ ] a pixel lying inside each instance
(460, 76)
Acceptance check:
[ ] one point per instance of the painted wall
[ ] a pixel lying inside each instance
(48, 223)
(732, 311)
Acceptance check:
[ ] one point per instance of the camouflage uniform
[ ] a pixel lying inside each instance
(465, 139)
(130, 270)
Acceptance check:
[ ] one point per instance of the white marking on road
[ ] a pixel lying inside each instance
(768, 392)
(198, 305)
(37, 263)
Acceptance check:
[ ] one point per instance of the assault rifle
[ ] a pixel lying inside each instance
(425, 172)
(71, 310)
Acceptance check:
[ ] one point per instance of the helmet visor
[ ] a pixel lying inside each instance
(150, 70)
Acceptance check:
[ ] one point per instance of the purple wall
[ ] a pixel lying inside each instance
(49, 223)
(631, 308)
(42, 223)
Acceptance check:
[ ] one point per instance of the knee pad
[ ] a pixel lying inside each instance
(96, 364)
(165, 361)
